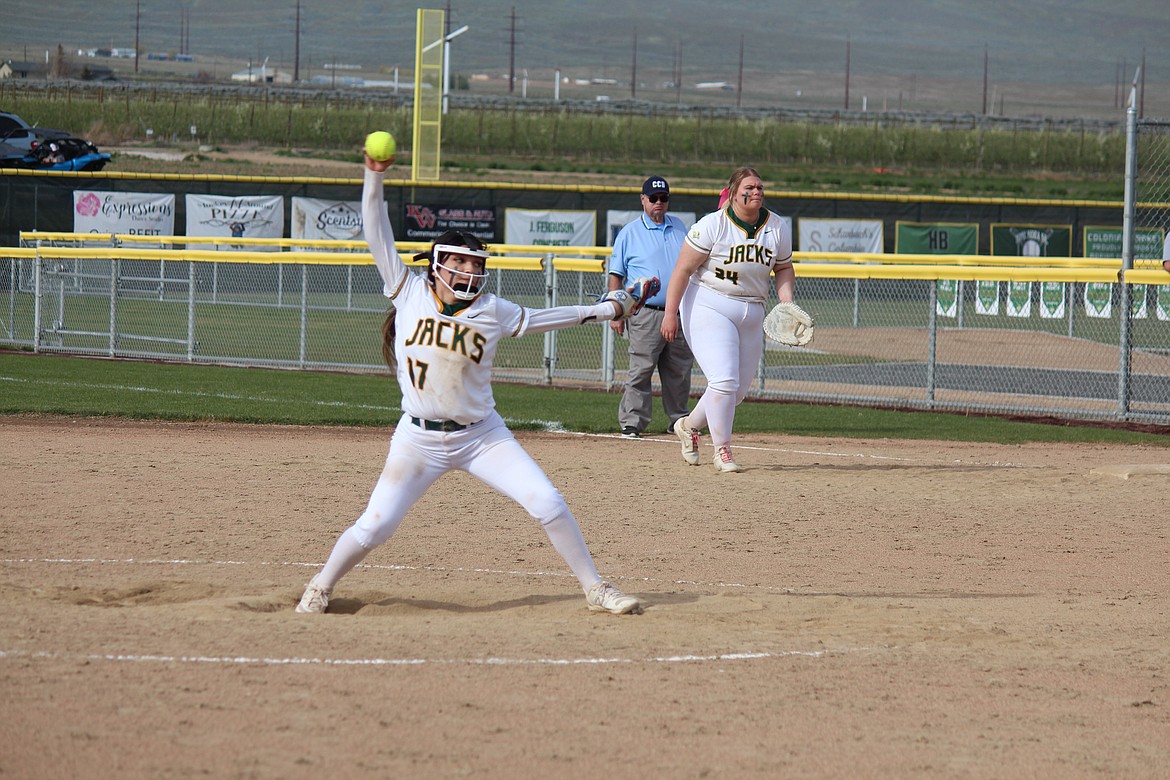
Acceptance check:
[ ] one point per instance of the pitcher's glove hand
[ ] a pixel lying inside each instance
(789, 324)
(634, 296)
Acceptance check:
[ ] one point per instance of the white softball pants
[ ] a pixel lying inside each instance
(727, 339)
(487, 451)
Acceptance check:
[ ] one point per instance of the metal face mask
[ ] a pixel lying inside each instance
(466, 285)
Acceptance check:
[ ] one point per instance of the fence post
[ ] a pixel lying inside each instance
(37, 314)
(304, 313)
(932, 341)
(550, 300)
(190, 311)
(1125, 338)
(608, 355)
(115, 265)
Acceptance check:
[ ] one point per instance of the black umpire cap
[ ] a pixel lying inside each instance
(655, 185)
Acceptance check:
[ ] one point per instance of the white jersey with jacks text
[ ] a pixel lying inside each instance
(444, 361)
(742, 257)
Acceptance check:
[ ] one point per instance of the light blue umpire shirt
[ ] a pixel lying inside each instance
(643, 248)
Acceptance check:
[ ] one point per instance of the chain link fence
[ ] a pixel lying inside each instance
(1030, 336)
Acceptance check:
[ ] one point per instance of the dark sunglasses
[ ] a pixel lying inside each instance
(658, 198)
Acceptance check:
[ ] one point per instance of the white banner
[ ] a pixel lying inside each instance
(1099, 299)
(841, 235)
(1019, 299)
(326, 220)
(986, 297)
(134, 213)
(247, 216)
(615, 220)
(1138, 308)
(1052, 300)
(550, 228)
(948, 292)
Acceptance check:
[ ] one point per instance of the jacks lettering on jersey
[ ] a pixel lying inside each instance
(749, 253)
(429, 332)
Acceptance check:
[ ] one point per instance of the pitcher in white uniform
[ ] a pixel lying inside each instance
(444, 330)
(718, 290)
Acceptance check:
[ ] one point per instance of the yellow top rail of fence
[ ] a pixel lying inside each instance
(584, 259)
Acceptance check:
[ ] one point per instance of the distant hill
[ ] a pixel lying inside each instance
(905, 51)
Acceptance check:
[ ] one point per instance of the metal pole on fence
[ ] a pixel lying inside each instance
(13, 275)
(115, 264)
(550, 299)
(856, 303)
(1125, 337)
(304, 313)
(37, 302)
(932, 343)
(959, 296)
(190, 311)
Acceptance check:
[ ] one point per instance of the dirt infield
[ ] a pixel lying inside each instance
(842, 608)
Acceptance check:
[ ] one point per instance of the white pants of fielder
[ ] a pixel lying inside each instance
(727, 339)
(487, 451)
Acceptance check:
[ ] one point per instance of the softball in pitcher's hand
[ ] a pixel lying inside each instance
(789, 324)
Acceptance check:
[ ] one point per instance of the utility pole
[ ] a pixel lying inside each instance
(137, 27)
(847, 73)
(985, 79)
(512, 55)
(678, 72)
(297, 48)
(634, 68)
(739, 86)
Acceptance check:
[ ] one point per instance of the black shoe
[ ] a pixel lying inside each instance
(630, 432)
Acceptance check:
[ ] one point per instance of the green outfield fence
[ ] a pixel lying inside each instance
(905, 331)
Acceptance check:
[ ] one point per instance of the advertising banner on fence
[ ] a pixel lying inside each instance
(134, 213)
(1052, 295)
(1031, 240)
(1101, 241)
(942, 238)
(616, 219)
(920, 238)
(1019, 299)
(841, 235)
(326, 220)
(246, 216)
(986, 297)
(1099, 299)
(550, 228)
(428, 221)
(1106, 242)
(947, 300)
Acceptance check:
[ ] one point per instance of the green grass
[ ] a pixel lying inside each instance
(84, 387)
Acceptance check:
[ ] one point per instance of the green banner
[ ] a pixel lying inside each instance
(1052, 300)
(920, 238)
(1032, 240)
(948, 297)
(1106, 242)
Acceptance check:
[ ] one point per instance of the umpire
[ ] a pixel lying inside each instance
(649, 246)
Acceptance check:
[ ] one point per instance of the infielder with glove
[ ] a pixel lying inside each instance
(445, 329)
(718, 289)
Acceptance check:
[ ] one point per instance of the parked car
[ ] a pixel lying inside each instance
(25, 146)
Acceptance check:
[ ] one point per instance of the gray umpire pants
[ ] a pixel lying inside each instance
(649, 351)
